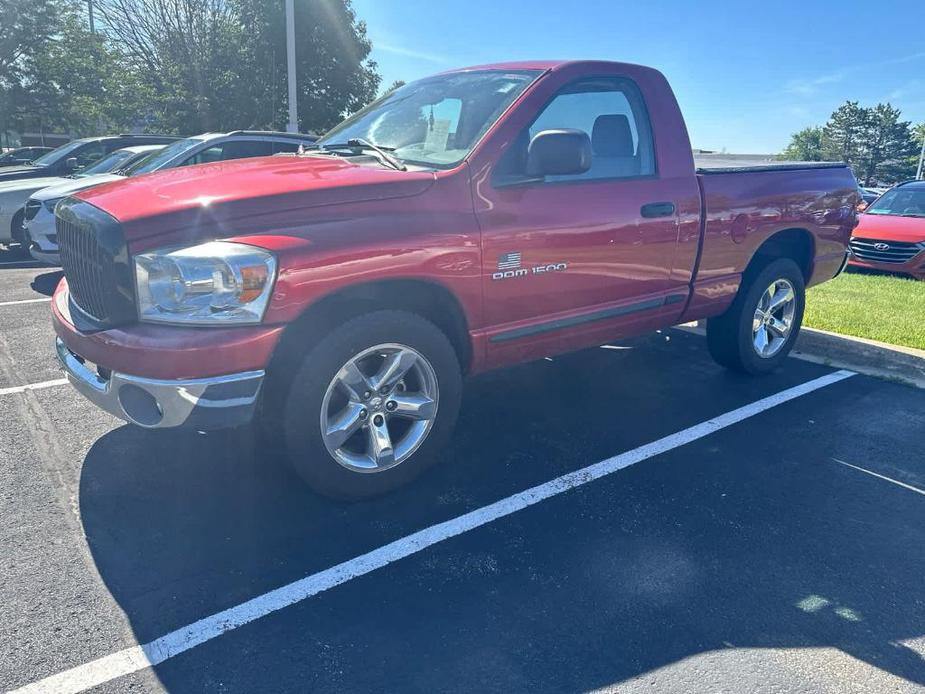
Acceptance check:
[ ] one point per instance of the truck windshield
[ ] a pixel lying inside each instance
(434, 122)
(902, 202)
(56, 155)
(158, 160)
(111, 162)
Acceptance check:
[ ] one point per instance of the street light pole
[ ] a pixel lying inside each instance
(293, 126)
(918, 174)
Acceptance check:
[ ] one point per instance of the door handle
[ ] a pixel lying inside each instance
(657, 209)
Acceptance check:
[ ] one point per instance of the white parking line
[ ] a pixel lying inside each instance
(33, 386)
(136, 658)
(25, 301)
(883, 477)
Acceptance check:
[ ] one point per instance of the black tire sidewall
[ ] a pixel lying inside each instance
(301, 417)
(782, 268)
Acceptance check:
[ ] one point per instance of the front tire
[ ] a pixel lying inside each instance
(758, 331)
(372, 405)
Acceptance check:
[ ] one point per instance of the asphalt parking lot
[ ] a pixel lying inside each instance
(780, 549)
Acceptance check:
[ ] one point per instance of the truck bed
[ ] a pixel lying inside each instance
(718, 164)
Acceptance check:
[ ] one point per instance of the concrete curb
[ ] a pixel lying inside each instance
(889, 362)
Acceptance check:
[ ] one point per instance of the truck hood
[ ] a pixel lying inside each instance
(890, 228)
(245, 195)
(72, 185)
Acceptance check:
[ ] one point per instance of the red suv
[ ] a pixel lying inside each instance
(891, 233)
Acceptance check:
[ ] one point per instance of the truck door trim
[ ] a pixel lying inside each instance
(572, 321)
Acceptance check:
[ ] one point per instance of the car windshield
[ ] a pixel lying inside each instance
(157, 161)
(435, 122)
(108, 163)
(56, 155)
(902, 202)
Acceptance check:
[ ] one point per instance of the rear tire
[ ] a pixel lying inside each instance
(346, 373)
(758, 331)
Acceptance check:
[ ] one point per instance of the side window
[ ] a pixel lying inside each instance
(242, 149)
(611, 111)
(205, 156)
(281, 146)
(235, 149)
(88, 154)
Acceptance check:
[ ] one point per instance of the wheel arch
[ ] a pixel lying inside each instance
(425, 298)
(795, 243)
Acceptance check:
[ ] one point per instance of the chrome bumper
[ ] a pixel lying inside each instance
(201, 403)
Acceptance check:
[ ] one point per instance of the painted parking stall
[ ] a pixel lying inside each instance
(181, 552)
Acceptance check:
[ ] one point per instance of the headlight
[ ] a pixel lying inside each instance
(50, 204)
(215, 283)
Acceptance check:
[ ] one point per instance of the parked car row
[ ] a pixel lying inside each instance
(28, 194)
(22, 155)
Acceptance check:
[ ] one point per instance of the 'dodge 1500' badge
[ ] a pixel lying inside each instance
(510, 266)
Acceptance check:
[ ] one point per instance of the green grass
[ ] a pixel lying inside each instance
(878, 307)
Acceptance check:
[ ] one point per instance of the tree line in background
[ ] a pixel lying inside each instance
(178, 66)
(879, 146)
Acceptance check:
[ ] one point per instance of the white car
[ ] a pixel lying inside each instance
(39, 221)
(14, 194)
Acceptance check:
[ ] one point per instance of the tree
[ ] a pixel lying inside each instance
(73, 81)
(873, 141)
(887, 148)
(335, 75)
(189, 54)
(26, 27)
(805, 145)
(397, 84)
(843, 134)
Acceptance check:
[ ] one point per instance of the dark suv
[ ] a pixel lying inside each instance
(22, 155)
(77, 154)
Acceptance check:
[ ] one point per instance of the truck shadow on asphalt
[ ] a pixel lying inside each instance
(47, 282)
(660, 562)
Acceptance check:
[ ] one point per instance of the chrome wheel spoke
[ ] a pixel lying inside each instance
(393, 369)
(761, 340)
(414, 406)
(380, 443)
(344, 425)
(781, 297)
(354, 381)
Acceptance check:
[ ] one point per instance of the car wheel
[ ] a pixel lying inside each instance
(372, 405)
(17, 233)
(758, 331)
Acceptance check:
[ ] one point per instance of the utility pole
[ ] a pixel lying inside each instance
(918, 174)
(293, 126)
(90, 13)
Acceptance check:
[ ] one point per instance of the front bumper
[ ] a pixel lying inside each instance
(202, 403)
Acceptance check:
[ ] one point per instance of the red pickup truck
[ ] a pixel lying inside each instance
(478, 218)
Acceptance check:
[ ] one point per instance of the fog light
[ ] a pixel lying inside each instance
(140, 406)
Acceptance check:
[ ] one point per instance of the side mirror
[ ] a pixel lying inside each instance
(559, 153)
(70, 163)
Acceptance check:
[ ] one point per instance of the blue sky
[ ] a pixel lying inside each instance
(746, 74)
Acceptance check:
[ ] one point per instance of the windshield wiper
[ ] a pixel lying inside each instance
(360, 143)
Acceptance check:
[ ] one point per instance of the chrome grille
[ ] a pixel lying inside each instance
(877, 251)
(83, 267)
(32, 208)
(96, 264)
